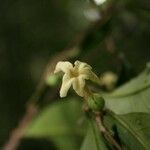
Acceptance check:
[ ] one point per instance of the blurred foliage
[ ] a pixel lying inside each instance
(131, 105)
(93, 139)
(132, 97)
(59, 123)
(113, 36)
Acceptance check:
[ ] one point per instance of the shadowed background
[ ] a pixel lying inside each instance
(32, 32)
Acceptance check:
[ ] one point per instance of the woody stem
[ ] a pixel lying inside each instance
(105, 132)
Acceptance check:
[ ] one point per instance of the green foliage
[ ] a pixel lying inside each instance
(59, 123)
(131, 97)
(133, 129)
(93, 139)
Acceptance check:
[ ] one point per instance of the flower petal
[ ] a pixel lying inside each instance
(94, 77)
(64, 66)
(89, 74)
(78, 86)
(66, 84)
(81, 65)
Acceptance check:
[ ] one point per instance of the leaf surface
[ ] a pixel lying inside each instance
(132, 129)
(93, 139)
(131, 97)
(58, 122)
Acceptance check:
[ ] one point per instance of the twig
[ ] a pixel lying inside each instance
(31, 108)
(105, 132)
(18, 133)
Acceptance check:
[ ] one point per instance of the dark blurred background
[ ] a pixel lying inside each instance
(115, 36)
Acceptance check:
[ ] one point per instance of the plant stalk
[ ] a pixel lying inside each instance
(105, 132)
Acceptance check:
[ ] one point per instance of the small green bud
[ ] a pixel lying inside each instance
(52, 80)
(96, 102)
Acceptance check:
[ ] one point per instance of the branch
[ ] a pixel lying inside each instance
(105, 132)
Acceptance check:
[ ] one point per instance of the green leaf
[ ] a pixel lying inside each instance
(131, 97)
(58, 122)
(132, 129)
(93, 139)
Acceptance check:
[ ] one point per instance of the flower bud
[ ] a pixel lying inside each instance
(52, 80)
(96, 102)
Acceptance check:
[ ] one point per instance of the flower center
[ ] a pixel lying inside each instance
(74, 73)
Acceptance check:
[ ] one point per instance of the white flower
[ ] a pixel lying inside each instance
(75, 76)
